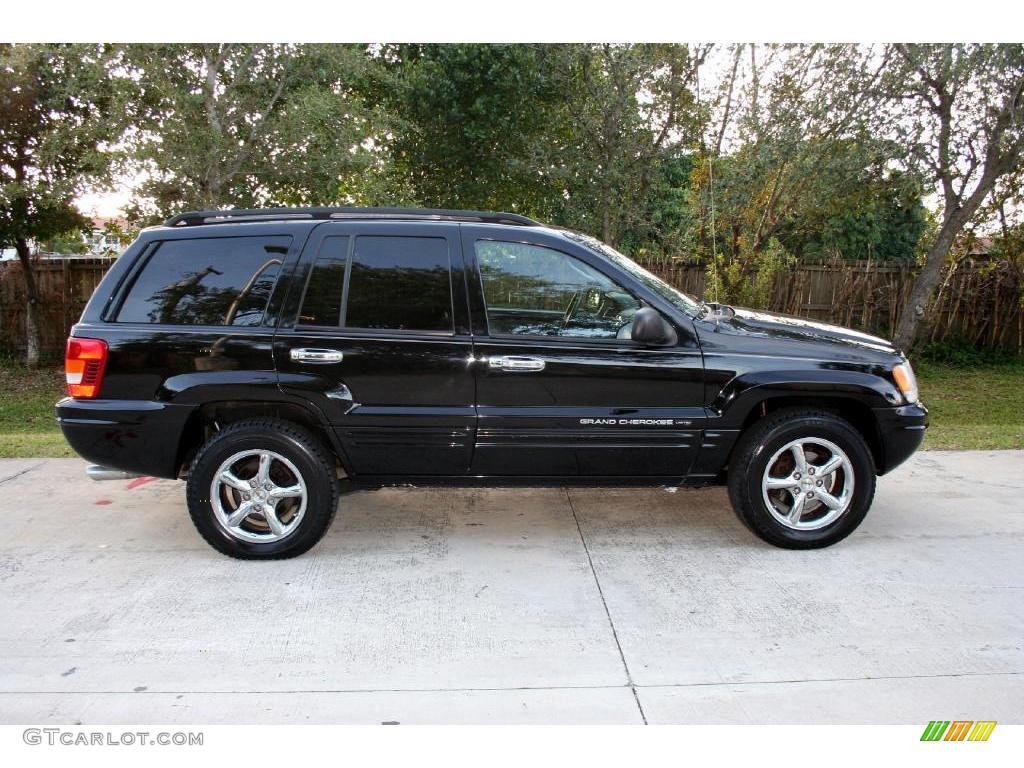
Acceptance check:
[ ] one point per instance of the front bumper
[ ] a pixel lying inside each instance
(138, 436)
(900, 432)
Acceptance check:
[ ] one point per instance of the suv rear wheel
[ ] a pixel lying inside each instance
(262, 489)
(801, 478)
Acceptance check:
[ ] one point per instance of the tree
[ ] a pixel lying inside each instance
(629, 108)
(247, 125)
(471, 125)
(790, 116)
(964, 126)
(577, 134)
(872, 212)
(788, 130)
(665, 226)
(56, 113)
(66, 242)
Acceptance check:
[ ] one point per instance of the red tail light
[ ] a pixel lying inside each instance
(84, 363)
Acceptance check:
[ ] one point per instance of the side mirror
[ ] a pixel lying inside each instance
(651, 329)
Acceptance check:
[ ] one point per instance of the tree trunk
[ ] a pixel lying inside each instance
(606, 223)
(32, 342)
(916, 309)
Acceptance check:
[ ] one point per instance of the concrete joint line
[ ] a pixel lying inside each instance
(607, 613)
(23, 472)
(649, 686)
(733, 683)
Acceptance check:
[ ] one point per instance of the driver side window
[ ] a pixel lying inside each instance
(530, 290)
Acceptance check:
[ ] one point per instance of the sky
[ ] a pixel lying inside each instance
(106, 205)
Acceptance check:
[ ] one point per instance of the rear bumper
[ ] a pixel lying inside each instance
(139, 436)
(901, 431)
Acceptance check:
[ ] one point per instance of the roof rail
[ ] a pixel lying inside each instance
(196, 218)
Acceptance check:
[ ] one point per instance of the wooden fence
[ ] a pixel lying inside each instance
(979, 301)
(65, 286)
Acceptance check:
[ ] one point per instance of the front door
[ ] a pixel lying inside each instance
(561, 387)
(376, 341)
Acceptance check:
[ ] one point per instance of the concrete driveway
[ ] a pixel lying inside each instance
(587, 606)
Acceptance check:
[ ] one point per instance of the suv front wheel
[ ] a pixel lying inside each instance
(262, 489)
(801, 478)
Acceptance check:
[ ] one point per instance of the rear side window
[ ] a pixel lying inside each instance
(206, 281)
(394, 283)
(322, 302)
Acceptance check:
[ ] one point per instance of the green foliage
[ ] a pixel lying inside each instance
(1008, 246)
(748, 281)
(471, 121)
(66, 242)
(800, 136)
(849, 205)
(56, 112)
(667, 224)
(628, 110)
(814, 149)
(961, 353)
(872, 214)
(581, 135)
(247, 125)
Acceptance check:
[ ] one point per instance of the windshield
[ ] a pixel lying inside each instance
(675, 297)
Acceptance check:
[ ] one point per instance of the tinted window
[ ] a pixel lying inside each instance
(322, 302)
(400, 283)
(534, 291)
(688, 304)
(210, 281)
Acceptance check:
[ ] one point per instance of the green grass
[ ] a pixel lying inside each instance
(975, 407)
(28, 427)
(978, 407)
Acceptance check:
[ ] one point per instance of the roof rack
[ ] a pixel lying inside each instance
(197, 218)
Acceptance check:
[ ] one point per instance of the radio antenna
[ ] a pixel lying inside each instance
(711, 200)
(714, 240)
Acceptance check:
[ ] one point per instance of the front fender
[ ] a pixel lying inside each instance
(746, 391)
(743, 393)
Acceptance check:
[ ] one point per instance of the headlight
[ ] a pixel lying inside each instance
(906, 381)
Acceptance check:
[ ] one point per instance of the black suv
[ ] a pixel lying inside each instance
(274, 358)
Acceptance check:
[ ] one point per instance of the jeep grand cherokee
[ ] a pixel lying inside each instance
(274, 358)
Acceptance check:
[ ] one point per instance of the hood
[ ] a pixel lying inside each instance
(753, 324)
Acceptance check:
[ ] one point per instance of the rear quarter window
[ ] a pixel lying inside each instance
(206, 281)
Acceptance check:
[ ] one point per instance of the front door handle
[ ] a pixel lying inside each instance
(315, 355)
(519, 364)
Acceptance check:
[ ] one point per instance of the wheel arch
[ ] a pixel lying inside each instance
(212, 416)
(850, 395)
(853, 411)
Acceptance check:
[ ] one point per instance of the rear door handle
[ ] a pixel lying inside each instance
(519, 364)
(315, 355)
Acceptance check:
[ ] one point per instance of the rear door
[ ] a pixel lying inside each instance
(377, 337)
(561, 388)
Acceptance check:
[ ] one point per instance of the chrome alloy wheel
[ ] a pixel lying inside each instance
(808, 484)
(258, 496)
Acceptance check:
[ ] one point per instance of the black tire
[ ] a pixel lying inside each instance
(759, 444)
(297, 445)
